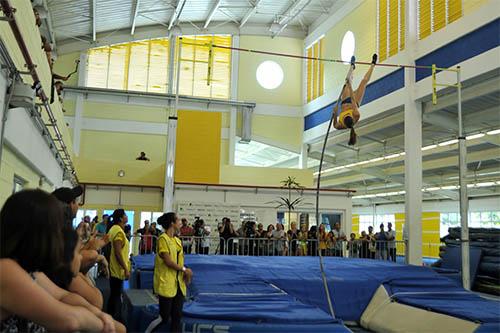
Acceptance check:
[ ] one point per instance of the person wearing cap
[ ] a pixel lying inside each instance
(90, 256)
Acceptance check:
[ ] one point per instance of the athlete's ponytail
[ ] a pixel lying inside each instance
(352, 137)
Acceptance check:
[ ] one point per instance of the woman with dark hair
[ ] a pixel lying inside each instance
(170, 274)
(351, 101)
(31, 240)
(119, 263)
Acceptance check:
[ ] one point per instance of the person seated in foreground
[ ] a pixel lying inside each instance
(31, 244)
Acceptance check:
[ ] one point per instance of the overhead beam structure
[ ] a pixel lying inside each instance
(177, 12)
(212, 13)
(134, 17)
(249, 13)
(291, 13)
(94, 20)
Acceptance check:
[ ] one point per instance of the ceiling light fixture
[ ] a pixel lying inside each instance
(494, 132)
(447, 143)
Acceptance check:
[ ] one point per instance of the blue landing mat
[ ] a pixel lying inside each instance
(276, 290)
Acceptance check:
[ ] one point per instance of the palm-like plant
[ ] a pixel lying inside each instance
(286, 202)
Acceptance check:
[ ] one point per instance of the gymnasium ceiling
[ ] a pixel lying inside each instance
(92, 21)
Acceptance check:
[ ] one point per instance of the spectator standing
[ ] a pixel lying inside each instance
(226, 235)
(302, 239)
(100, 228)
(372, 249)
(261, 235)
(312, 249)
(279, 240)
(353, 246)
(186, 236)
(391, 238)
(170, 275)
(330, 243)
(365, 242)
(293, 236)
(270, 241)
(202, 241)
(322, 238)
(155, 233)
(119, 261)
(340, 237)
(381, 239)
(146, 242)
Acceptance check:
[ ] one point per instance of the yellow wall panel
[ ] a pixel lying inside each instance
(470, 6)
(69, 107)
(439, 12)
(454, 10)
(365, 32)
(106, 172)
(321, 68)
(309, 75)
(290, 91)
(124, 112)
(14, 165)
(255, 176)
(119, 146)
(315, 71)
(285, 130)
(425, 18)
(393, 27)
(403, 24)
(355, 224)
(198, 147)
(382, 30)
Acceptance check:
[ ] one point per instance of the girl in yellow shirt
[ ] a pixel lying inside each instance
(119, 263)
(170, 274)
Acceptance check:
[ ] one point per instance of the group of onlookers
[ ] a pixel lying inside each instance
(252, 238)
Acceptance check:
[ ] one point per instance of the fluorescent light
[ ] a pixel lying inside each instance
(475, 136)
(362, 162)
(431, 189)
(339, 167)
(471, 185)
(485, 184)
(403, 153)
(447, 143)
(429, 147)
(376, 159)
(494, 132)
(388, 157)
(451, 187)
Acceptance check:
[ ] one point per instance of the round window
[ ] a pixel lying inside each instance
(269, 74)
(348, 45)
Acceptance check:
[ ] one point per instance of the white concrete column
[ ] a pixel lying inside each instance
(413, 145)
(235, 59)
(168, 190)
(232, 134)
(171, 63)
(77, 124)
(304, 155)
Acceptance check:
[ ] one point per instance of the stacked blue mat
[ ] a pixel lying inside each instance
(286, 293)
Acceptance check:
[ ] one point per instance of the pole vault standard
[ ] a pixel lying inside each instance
(462, 173)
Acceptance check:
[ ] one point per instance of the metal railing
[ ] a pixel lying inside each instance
(241, 246)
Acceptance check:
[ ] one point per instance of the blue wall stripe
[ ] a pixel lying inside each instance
(468, 46)
(374, 90)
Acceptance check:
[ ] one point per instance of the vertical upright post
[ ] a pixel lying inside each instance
(304, 156)
(413, 146)
(464, 201)
(168, 195)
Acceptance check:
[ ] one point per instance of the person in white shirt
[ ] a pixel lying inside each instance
(391, 238)
(340, 238)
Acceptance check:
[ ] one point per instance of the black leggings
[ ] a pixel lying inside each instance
(115, 298)
(171, 308)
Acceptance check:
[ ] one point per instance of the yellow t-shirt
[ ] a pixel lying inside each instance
(117, 233)
(166, 279)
